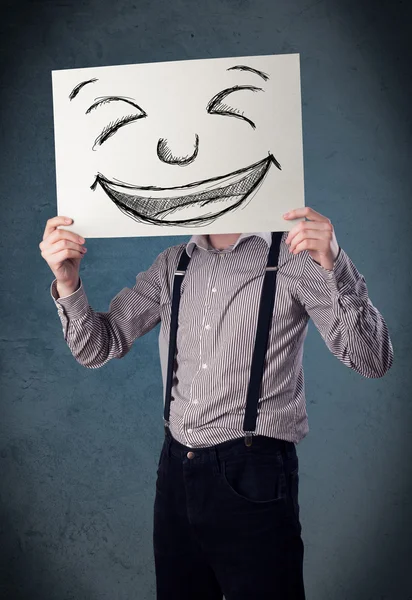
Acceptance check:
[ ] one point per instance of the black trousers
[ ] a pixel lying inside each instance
(226, 522)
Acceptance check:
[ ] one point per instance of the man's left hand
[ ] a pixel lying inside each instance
(316, 235)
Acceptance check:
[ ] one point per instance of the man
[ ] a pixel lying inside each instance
(235, 310)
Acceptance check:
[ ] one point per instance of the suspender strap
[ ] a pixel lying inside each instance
(177, 283)
(267, 299)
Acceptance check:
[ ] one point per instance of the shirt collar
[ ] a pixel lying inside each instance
(201, 241)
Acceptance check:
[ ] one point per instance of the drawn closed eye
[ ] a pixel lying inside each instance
(216, 105)
(115, 125)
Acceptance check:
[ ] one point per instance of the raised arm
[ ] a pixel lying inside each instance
(96, 337)
(335, 296)
(352, 327)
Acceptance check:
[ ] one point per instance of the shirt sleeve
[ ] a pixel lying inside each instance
(96, 337)
(338, 303)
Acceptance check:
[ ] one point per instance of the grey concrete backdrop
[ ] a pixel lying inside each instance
(78, 448)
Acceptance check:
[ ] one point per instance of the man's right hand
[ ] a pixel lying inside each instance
(63, 251)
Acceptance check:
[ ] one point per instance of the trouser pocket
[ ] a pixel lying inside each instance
(255, 478)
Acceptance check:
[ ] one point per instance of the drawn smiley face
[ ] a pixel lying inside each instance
(195, 203)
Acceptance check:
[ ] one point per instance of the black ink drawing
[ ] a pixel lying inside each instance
(78, 87)
(159, 205)
(215, 106)
(114, 126)
(250, 69)
(107, 99)
(154, 205)
(166, 155)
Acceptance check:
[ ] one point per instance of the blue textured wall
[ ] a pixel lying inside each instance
(78, 448)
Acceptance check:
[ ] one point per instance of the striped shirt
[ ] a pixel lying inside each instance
(218, 313)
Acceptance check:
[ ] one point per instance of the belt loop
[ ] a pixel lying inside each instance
(248, 439)
(214, 456)
(168, 441)
(168, 437)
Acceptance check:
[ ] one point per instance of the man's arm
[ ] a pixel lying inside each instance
(353, 329)
(96, 337)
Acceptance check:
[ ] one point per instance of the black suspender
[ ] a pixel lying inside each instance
(177, 284)
(267, 300)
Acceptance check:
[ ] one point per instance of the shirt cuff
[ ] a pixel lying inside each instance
(73, 306)
(342, 277)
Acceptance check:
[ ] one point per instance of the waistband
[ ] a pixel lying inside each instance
(259, 443)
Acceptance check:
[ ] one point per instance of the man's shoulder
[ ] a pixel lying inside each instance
(169, 257)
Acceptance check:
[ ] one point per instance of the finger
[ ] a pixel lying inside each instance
(61, 234)
(63, 255)
(62, 244)
(307, 212)
(314, 234)
(319, 245)
(307, 226)
(53, 223)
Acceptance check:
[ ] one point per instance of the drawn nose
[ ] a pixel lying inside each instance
(166, 155)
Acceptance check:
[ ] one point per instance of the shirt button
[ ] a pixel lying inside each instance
(204, 366)
(361, 309)
(207, 327)
(189, 430)
(195, 401)
(340, 285)
(214, 290)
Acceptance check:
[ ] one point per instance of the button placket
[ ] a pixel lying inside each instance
(209, 307)
(210, 296)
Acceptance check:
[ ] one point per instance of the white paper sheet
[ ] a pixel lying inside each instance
(178, 148)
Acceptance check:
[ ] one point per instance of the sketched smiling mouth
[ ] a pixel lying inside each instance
(200, 202)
